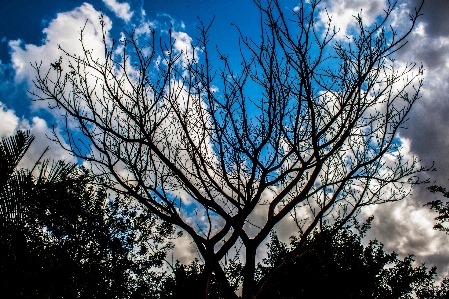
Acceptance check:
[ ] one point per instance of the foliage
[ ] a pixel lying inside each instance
(304, 125)
(341, 267)
(441, 291)
(187, 279)
(66, 238)
(338, 266)
(73, 241)
(440, 207)
(13, 184)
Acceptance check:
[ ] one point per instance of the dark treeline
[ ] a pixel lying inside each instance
(62, 236)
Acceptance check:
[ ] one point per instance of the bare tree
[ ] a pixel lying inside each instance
(305, 127)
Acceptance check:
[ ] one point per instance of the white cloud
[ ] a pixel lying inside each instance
(64, 32)
(185, 249)
(183, 44)
(343, 12)
(406, 228)
(42, 133)
(122, 10)
(10, 121)
(39, 128)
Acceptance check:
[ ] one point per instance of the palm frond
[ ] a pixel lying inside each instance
(56, 172)
(15, 185)
(13, 196)
(12, 149)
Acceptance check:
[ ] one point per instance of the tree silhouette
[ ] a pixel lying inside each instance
(14, 185)
(440, 207)
(63, 237)
(305, 126)
(339, 266)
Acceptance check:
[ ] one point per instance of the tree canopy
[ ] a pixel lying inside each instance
(303, 132)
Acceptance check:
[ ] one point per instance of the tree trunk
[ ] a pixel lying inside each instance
(206, 277)
(248, 274)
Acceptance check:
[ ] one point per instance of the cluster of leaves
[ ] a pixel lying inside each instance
(346, 268)
(187, 279)
(62, 236)
(440, 207)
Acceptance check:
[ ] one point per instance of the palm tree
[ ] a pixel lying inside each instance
(15, 185)
(61, 235)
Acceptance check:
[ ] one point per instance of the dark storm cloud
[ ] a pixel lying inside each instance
(429, 134)
(435, 14)
(429, 121)
(406, 226)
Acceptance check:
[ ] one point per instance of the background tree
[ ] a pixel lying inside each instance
(63, 237)
(341, 267)
(338, 266)
(440, 207)
(305, 127)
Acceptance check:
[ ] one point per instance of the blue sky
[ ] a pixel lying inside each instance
(25, 19)
(405, 227)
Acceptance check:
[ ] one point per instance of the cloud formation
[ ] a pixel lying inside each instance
(122, 10)
(10, 121)
(343, 14)
(62, 32)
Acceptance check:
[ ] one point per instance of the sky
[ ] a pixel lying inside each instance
(30, 31)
